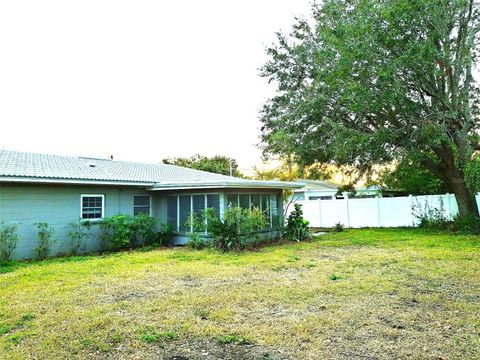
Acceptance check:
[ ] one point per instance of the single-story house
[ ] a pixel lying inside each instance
(315, 190)
(61, 189)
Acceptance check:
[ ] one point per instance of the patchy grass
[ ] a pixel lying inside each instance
(366, 294)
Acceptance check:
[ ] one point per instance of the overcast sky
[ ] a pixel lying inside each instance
(142, 80)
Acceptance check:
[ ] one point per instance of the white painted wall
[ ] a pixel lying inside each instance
(375, 212)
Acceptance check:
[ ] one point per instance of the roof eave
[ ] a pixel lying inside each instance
(223, 185)
(37, 180)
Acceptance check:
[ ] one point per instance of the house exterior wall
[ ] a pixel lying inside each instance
(59, 205)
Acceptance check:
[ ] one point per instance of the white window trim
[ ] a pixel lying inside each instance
(81, 206)
(149, 203)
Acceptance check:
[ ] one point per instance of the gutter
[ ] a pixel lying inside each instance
(158, 186)
(70, 181)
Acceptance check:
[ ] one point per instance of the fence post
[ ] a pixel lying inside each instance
(412, 217)
(448, 207)
(378, 211)
(345, 196)
(319, 213)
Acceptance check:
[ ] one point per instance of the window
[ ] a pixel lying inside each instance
(180, 207)
(92, 206)
(251, 201)
(141, 204)
(319, 198)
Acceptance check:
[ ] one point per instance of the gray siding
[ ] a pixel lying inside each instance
(58, 206)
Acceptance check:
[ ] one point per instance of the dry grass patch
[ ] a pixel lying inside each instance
(366, 294)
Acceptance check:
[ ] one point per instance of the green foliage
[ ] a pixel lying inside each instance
(339, 227)
(144, 229)
(149, 334)
(233, 339)
(8, 240)
(45, 240)
(467, 225)
(124, 231)
(116, 232)
(197, 224)
(297, 226)
(367, 82)
(236, 229)
(414, 179)
(472, 175)
(279, 225)
(217, 164)
(334, 277)
(79, 233)
(430, 218)
(165, 234)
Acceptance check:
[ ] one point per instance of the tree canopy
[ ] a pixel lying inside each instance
(367, 82)
(218, 164)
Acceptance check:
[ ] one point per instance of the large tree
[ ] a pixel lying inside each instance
(366, 82)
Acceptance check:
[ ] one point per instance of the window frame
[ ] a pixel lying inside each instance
(82, 196)
(177, 196)
(250, 193)
(149, 203)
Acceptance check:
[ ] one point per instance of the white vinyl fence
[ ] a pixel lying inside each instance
(376, 212)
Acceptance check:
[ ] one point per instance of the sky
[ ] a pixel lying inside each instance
(139, 80)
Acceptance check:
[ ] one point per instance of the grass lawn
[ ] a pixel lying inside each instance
(360, 294)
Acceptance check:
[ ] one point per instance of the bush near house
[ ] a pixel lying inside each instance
(297, 227)
(237, 228)
(125, 231)
(8, 240)
(45, 240)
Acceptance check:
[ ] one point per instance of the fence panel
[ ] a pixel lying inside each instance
(332, 212)
(378, 212)
(396, 212)
(363, 212)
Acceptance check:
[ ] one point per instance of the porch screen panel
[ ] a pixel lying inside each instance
(256, 202)
(184, 211)
(172, 211)
(198, 204)
(245, 201)
(213, 201)
(232, 199)
(266, 206)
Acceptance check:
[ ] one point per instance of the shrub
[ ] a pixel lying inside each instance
(237, 227)
(45, 240)
(8, 240)
(78, 234)
(144, 229)
(297, 226)
(165, 234)
(197, 224)
(116, 232)
(125, 231)
(339, 227)
(278, 224)
(467, 225)
(430, 218)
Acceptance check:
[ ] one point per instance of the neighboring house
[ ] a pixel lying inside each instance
(375, 190)
(315, 190)
(61, 189)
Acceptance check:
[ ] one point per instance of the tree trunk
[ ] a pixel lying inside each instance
(450, 173)
(467, 204)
